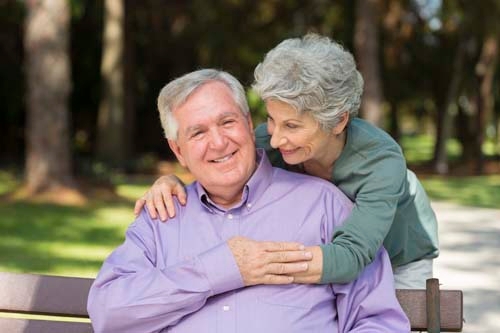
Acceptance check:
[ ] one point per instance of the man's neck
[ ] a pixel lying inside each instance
(228, 199)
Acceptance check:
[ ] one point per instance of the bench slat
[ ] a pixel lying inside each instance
(14, 325)
(28, 293)
(414, 303)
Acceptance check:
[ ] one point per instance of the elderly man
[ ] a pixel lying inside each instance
(196, 274)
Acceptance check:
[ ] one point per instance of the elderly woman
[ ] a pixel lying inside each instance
(312, 91)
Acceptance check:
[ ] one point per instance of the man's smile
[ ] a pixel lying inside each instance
(224, 158)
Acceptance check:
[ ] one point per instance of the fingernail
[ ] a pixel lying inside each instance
(303, 266)
(308, 255)
(301, 247)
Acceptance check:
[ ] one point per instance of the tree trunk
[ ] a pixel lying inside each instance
(449, 108)
(366, 43)
(129, 85)
(465, 125)
(485, 71)
(48, 156)
(111, 122)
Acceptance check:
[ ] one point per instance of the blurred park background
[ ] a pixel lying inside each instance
(80, 135)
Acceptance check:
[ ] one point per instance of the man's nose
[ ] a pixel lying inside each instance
(217, 139)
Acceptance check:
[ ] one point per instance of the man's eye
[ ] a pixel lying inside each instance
(196, 134)
(228, 122)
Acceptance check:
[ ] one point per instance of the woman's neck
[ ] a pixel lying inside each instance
(322, 165)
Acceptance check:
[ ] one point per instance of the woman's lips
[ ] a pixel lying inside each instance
(288, 151)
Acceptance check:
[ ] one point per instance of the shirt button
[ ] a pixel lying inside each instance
(226, 308)
(249, 205)
(230, 216)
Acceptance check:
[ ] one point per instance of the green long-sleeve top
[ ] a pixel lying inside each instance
(390, 205)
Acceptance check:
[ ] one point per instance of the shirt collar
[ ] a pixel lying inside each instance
(253, 190)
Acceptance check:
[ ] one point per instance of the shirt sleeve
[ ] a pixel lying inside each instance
(369, 303)
(132, 294)
(357, 241)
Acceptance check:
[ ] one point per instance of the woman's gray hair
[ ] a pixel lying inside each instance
(313, 74)
(176, 92)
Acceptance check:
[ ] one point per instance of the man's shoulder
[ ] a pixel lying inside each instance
(306, 183)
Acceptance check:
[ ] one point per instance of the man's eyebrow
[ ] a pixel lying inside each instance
(229, 113)
(193, 128)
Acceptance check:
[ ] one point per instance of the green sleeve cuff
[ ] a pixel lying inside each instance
(339, 264)
(327, 273)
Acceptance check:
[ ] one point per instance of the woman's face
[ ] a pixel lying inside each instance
(298, 137)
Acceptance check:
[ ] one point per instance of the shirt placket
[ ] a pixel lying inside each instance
(226, 312)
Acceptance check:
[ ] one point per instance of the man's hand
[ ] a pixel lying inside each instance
(314, 269)
(269, 262)
(159, 197)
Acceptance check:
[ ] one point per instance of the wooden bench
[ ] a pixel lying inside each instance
(431, 310)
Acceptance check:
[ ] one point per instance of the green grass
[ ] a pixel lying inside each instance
(53, 239)
(7, 181)
(478, 191)
(420, 148)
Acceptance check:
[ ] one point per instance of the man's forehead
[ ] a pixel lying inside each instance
(211, 116)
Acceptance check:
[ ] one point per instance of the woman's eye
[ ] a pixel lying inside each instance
(291, 126)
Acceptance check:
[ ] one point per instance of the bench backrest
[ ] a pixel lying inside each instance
(43, 295)
(67, 297)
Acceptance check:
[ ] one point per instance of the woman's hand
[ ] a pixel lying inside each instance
(158, 199)
(263, 262)
(314, 268)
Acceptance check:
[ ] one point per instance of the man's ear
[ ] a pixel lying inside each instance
(250, 124)
(339, 128)
(177, 151)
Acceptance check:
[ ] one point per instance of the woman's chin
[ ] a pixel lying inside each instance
(292, 160)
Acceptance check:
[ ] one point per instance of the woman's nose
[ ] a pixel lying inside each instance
(276, 138)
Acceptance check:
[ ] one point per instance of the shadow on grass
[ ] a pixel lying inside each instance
(32, 260)
(46, 238)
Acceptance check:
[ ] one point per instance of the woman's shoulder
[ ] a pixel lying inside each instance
(262, 137)
(361, 130)
(261, 131)
(370, 151)
(368, 140)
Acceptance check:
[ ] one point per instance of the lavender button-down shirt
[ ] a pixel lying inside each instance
(180, 276)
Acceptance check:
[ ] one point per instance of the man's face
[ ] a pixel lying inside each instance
(215, 140)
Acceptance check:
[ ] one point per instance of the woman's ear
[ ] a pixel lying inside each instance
(339, 128)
